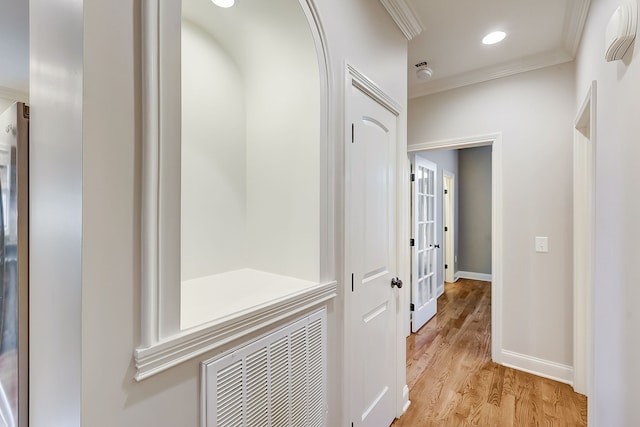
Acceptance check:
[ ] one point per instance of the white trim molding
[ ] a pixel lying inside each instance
(404, 16)
(497, 233)
(574, 19)
(521, 65)
(405, 397)
(192, 343)
(584, 155)
(540, 367)
(474, 276)
(372, 90)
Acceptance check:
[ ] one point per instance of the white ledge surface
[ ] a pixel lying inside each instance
(220, 309)
(220, 295)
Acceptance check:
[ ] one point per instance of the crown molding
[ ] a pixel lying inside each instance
(15, 95)
(529, 63)
(574, 20)
(404, 16)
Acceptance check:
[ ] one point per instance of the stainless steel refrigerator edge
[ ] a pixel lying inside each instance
(14, 265)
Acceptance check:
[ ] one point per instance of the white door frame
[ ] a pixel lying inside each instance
(495, 141)
(359, 80)
(584, 151)
(448, 217)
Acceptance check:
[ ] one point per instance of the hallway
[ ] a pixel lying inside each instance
(453, 381)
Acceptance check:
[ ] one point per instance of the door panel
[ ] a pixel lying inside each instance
(423, 279)
(449, 184)
(371, 204)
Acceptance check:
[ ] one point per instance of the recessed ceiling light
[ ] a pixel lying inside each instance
(495, 37)
(224, 3)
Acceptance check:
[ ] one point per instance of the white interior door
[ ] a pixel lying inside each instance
(449, 226)
(424, 296)
(372, 261)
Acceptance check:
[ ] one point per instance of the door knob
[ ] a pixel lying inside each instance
(436, 246)
(396, 282)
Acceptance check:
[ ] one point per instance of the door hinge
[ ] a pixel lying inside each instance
(446, 191)
(446, 229)
(353, 132)
(412, 242)
(446, 266)
(351, 282)
(413, 177)
(412, 307)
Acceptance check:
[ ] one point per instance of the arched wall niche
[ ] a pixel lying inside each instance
(238, 206)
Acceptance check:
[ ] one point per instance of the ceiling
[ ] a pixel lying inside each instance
(445, 33)
(448, 33)
(14, 45)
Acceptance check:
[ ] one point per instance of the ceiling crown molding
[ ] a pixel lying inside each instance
(529, 63)
(404, 17)
(574, 19)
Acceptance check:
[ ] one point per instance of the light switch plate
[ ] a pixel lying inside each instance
(542, 244)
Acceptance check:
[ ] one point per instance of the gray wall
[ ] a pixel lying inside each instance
(444, 159)
(474, 252)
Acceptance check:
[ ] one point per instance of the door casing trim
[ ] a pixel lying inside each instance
(495, 141)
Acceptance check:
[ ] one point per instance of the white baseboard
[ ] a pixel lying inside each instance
(542, 368)
(405, 397)
(473, 276)
(440, 290)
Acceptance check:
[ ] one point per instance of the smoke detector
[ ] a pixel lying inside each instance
(423, 72)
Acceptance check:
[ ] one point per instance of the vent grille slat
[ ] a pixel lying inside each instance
(279, 372)
(256, 385)
(229, 387)
(299, 377)
(278, 380)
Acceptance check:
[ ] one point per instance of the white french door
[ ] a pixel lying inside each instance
(424, 297)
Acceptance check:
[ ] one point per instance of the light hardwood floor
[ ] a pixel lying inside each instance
(453, 381)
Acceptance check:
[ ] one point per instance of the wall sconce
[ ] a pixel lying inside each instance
(621, 30)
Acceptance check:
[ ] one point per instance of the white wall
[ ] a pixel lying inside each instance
(616, 293)
(86, 330)
(252, 180)
(283, 143)
(213, 217)
(56, 217)
(534, 111)
(5, 103)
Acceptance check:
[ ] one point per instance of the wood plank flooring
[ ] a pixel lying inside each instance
(453, 381)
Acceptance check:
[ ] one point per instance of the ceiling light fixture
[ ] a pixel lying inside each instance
(423, 72)
(495, 37)
(224, 3)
